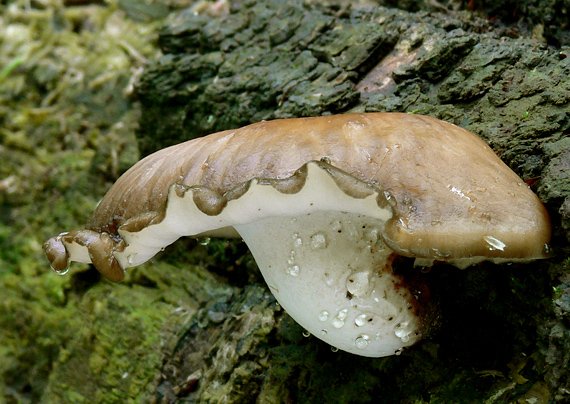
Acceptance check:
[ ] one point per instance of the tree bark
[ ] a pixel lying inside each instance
(504, 335)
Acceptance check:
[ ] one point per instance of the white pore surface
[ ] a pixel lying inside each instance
(319, 250)
(328, 270)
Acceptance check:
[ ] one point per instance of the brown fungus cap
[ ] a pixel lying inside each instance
(324, 204)
(452, 197)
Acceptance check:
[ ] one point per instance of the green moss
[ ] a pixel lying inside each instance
(116, 343)
(66, 132)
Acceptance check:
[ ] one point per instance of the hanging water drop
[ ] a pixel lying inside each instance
(61, 271)
(362, 341)
(204, 240)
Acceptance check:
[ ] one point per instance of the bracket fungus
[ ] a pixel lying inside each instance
(325, 205)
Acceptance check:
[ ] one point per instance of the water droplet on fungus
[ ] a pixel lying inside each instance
(318, 241)
(294, 270)
(362, 341)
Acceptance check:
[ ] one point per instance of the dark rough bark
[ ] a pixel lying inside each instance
(505, 335)
(520, 17)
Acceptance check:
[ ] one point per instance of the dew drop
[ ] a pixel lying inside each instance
(399, 352)
(485, 216)
(495, 243)
(403, 332)
(362, 341)
(361, 319)
(294, 270)
(390, 199)
(306, 334)
(324, 315)
(61, 271)
(318, 241)
(326, 160)
(324, 331)
(371, 236)
(338, 321)
(291, 260)
(204, 240)
(354, 124)
(297, 241)
(547, 249)
(131, 259)
(334, 349)
(440, 253)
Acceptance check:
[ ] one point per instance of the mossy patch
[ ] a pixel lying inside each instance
(117, 339)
